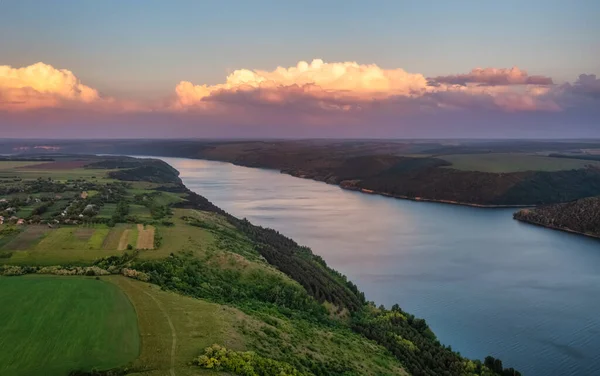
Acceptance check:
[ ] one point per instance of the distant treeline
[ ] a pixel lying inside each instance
(581, 216)
(25, 159)
(585, 157)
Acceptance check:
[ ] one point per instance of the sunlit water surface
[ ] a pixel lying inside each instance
(485, 283)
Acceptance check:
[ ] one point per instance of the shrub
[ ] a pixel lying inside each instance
(245, 363)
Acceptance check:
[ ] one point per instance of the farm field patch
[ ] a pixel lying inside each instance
(111, 241)
(513, 162)
(58, 165)
(62, 324)
(145, 239)
(74, 238)
(27, 238)
(139, 211)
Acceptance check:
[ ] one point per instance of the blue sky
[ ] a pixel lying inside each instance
(143, 48)
(211, 68)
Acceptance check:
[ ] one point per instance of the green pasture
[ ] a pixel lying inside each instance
(513, 162)
(55, 325)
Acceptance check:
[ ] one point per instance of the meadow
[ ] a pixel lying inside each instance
(513, 162)
(55, 325)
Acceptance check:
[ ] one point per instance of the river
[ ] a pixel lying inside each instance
(485, 283)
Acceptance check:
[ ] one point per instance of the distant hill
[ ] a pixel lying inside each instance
(581, 216)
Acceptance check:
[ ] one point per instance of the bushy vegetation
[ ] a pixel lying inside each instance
(155, 171)
(295, 261)
(244, 363)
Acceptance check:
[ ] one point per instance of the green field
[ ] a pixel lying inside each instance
(54, 325)
(74, 238)
(165, 316)
(139, 211)
(513, 162)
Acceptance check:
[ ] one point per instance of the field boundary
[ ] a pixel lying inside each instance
(171, 326)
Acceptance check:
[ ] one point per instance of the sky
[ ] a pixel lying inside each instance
(299, 69)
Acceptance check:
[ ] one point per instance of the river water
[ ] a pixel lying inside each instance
(485, 283)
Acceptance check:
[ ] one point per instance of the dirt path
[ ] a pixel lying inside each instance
(123, 241)
(173, 334)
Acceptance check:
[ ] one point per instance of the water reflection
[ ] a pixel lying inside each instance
(486, 283)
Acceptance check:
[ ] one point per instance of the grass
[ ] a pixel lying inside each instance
(107, 210)
(9, 165)
(58, 175)
(54, 325)
(67, 238)
(145, 239)
(513, 162)
(24, 211)
(111, 241)
(139, 211)
(27, 238)
(196, 324)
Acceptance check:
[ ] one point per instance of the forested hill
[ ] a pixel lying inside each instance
(483, 174)
(407, 337)
(582, 216)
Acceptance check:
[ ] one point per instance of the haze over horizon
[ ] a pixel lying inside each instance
(267, 69)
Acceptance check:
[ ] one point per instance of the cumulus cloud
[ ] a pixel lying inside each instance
(41, 85)
(317, 93)
(318, 79)
(493, 76)
(349, 86)
(587, 85)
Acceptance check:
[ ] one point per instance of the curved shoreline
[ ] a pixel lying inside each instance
(439, 201)
(368, 191)
(557, 228)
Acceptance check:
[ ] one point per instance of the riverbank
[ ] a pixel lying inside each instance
(423, 199)
(564, 229)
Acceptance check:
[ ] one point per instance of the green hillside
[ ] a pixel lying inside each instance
(211, 292)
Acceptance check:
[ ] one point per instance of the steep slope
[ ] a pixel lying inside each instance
(581, 216)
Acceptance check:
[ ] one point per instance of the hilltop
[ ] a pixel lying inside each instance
(116, 254)
(581, 216)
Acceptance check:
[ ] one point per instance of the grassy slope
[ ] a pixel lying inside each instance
(196, 324)
(54, 325)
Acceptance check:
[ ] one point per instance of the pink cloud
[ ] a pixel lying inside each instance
(494, 76)
(349, 86)
(307, 93)
(41, 85)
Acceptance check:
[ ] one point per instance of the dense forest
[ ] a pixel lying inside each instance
(581, 216)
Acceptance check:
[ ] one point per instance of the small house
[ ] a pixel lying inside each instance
(20, 221)
(84, 195)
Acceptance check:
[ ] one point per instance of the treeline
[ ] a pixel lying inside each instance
(150, 170)
(295, 261)
(408, 338)
(405, 336)
(580, 216)
(411, 179)
(411, 340)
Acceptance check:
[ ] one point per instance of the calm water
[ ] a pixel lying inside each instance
(485, 283)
